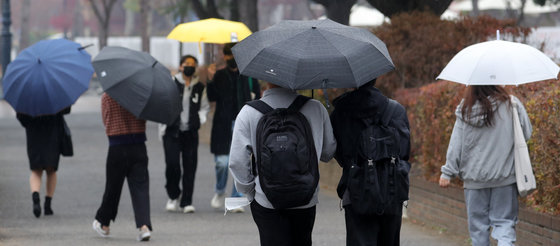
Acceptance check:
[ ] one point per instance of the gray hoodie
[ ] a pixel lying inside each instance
(482, 156)
(244, 141)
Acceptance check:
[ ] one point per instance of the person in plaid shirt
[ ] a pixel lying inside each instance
(127, 158)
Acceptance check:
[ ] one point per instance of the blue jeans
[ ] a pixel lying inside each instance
(222, 162)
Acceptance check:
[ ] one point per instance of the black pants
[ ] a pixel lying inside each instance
(284, 227)
(372, 230)
(184, 145)
(128, 161)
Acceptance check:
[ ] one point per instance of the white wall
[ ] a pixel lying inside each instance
(166, 51)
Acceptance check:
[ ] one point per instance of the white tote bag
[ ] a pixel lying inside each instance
(523, 170)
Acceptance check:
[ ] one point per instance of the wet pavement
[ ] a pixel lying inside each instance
(80, 188)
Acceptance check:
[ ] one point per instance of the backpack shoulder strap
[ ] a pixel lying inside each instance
(388, 113)
(260, 106)
(298, 103)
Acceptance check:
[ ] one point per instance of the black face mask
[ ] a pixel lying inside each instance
(231, 63)
(188, 71)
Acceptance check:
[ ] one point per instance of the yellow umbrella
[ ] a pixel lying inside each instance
(210, 30)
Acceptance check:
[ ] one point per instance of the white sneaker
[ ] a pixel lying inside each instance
(218, 200)
(145, 234)
(238, 210)
(188, 209)
(97, 228)
(172, 205)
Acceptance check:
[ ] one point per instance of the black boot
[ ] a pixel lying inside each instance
(47, 207)
(36, 204)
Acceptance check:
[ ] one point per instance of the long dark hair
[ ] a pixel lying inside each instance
(482, 94)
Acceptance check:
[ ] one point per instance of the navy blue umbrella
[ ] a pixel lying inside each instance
(47, 77)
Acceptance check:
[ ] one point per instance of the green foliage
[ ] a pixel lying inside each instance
(431, 113)
(421, 44)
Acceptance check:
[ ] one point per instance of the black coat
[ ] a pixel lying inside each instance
(348, 117)
(44, 134)
(194, 106)
(230, 91)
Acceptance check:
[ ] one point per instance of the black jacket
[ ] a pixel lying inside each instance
(230, 91)
(351, 109)
(194, 107)
(44, 135)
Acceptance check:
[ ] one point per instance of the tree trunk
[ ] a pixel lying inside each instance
(103, 18)
(390, 8)
(24, 36)
(211, 11)
(338, 11)
(248, 14)
(234, 9)
(144, 22)
(181, 20)
(77, 20)
(521, 12)
(474, 8)
(129, 22)
(103, 36)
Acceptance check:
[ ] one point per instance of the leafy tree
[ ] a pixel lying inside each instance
(103, 15)
(338, 10)
(393, 7)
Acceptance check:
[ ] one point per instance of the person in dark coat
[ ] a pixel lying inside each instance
(230, 91)
(352, 109)
(44, 139)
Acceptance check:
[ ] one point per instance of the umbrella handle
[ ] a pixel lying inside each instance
(326, 94)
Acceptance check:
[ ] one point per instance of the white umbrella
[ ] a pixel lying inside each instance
(499, 63)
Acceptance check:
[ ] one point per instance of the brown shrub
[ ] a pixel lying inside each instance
(421, 44)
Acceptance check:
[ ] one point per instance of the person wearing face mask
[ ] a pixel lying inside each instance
(180, 139)
(230, 91)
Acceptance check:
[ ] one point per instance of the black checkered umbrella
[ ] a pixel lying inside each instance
(139, 83)
(313, 55)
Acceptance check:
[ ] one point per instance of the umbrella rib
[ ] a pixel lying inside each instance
(345, 58)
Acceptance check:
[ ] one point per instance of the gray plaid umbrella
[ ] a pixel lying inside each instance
(312, 55)
(139, 83)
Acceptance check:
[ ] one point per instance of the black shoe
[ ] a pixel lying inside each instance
(48, 210)
(36, 204)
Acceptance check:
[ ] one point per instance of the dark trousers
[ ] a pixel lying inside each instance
(284, 227)
(185, 145)
(372, 230)
(128, 161)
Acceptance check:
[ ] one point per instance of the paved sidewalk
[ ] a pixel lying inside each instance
(80, 188)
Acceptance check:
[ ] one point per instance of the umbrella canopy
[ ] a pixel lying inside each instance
(210, 30)
(312, 55)
(499, 63)
(47, 77)
(139, 83)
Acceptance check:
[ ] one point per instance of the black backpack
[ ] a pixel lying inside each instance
(286, 163)
(377, 180)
